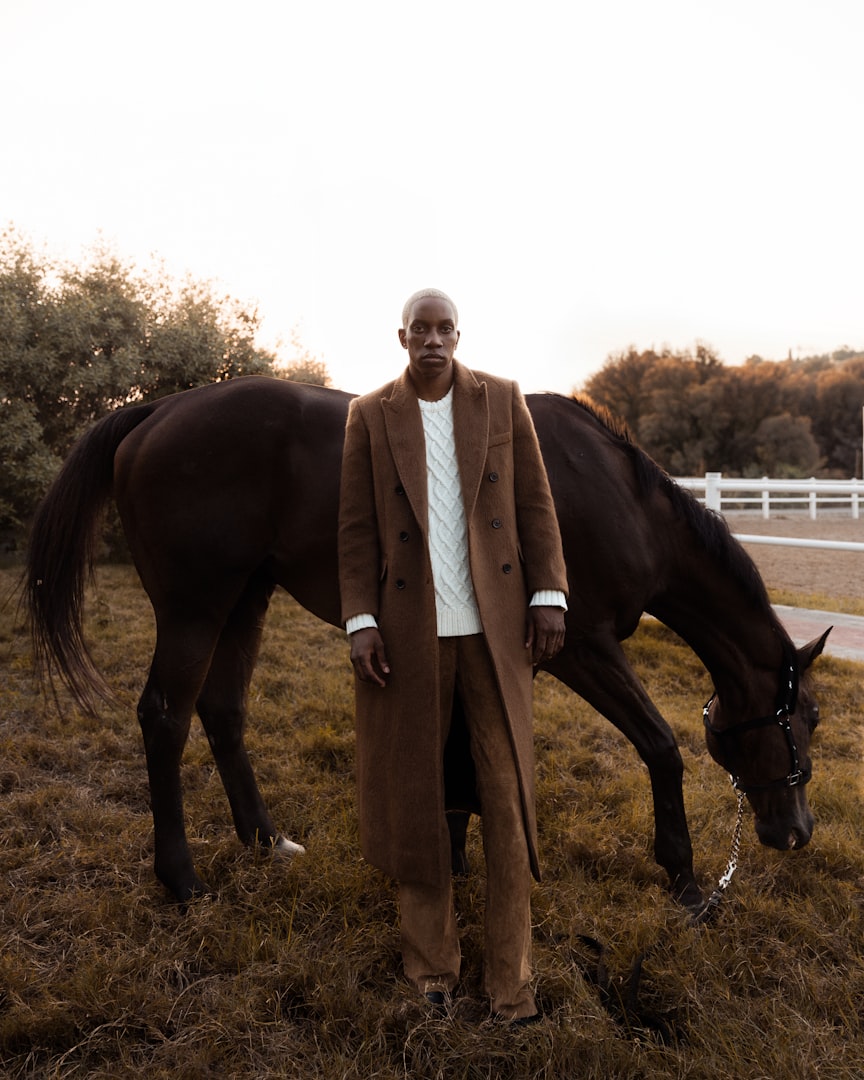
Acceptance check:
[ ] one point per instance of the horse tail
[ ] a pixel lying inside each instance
(61, 553)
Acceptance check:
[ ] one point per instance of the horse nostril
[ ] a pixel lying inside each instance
(799, 836)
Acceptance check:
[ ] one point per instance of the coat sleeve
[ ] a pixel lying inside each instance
(539, 534)
(359, 547)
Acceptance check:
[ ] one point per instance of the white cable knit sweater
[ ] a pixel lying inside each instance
(455, 603)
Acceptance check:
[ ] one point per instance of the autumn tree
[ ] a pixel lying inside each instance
(694, 414)
(658, 396)
(784, 447)
(839, 400)
(621, 385)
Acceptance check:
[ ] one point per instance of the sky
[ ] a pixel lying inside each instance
(580, 177)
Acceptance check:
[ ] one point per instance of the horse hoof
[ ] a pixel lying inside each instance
(690, 898)
(286, 848)
(188, 894)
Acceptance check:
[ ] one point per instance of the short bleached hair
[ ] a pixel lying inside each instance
(422, 294)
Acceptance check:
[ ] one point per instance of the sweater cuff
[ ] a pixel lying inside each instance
(549, 598)
(359, 622)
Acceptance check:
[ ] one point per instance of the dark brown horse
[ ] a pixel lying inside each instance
(229, 490)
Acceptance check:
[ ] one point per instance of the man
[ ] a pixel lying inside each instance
(447, 532)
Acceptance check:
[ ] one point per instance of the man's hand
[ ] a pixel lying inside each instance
(368, 656)
(544, 633)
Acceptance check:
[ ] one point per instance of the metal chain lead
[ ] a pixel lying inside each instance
(732, 865)
(714, 899)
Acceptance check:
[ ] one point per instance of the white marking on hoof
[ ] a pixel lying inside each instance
(287, 848)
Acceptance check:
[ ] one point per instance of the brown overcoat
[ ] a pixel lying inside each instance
(385, 569)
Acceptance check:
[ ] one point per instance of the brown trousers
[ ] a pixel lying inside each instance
(430, 946)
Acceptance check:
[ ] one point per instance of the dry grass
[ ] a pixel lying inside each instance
(292, 969)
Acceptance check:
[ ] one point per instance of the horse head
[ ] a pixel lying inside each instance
(767, 757)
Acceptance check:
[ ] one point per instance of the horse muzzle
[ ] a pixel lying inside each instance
(785, 828)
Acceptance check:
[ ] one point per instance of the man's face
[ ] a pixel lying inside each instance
(430, 338)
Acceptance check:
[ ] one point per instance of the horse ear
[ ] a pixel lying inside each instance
(808, 653)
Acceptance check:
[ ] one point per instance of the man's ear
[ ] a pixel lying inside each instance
(402, 337)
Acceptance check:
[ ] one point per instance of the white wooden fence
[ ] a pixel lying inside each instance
(718, 493)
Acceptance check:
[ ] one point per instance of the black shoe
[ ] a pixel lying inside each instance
(438, 1002)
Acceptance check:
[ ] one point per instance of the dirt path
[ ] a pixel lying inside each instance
(806, 570)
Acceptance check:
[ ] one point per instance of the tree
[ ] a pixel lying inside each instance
(196, 337)
(657, 394)
(693, 414)
(26, 462)
(78, 341)
(302, 365)
(669, 429)
(620, 385)
(785, 447)
(733, 407)
(839, 399)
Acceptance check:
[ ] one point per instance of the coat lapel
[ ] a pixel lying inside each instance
(471, 425)
(404, 427)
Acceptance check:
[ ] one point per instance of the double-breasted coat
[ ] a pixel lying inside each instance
(385, 569)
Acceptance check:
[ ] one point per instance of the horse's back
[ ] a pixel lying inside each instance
(254, 412)
(226, 478)
(615, 528)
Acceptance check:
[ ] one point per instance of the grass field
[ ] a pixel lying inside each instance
(291, 969)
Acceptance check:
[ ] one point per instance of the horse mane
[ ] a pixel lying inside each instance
(710, 528)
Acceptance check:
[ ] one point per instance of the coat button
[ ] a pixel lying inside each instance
(507, 568)
(496, 523)
(400, 584)
(493, 477)
(403, 536)
(399, 489)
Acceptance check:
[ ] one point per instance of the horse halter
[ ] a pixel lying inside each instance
(787, 699)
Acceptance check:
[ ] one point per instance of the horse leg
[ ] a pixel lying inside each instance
(179, 666)
(598, 670)
(222, 706)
